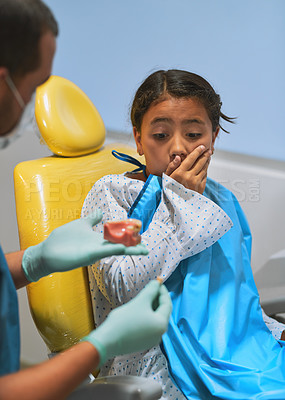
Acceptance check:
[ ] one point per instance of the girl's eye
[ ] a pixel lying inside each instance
(194, 135)
(160, 135)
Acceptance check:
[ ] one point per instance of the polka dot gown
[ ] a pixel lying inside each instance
(274, 326)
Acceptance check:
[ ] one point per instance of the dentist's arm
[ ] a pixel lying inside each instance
(135, 326)
(68, 247)
(52, 379)
(14, 261)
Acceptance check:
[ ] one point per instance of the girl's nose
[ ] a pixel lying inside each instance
(178, 148)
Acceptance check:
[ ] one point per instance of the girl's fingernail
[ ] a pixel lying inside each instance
(202, 147)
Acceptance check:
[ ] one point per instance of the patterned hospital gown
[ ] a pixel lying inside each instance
(170, 238)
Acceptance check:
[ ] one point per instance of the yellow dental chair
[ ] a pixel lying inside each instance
(49, 192)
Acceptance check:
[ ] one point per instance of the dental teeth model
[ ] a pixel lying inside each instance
(126, 232)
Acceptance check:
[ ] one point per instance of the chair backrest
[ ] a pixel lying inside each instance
(68, 121)
(49, 192)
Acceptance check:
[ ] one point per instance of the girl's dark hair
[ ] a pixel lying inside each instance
(22, 23)
(178, 84)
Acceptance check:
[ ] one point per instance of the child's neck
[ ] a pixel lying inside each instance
(136, 175)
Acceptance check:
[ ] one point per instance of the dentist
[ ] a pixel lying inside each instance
(28, 32)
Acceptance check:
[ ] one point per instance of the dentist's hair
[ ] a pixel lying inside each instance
(158, 86)
(22, 23)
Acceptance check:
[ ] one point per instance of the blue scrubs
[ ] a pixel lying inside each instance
(9, 321)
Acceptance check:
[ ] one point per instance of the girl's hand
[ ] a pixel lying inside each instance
(192, 172)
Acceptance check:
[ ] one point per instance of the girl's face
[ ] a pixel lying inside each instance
(173, 127)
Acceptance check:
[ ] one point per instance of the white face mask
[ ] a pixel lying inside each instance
(25, 122)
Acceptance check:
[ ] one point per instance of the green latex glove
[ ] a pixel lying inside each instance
(71, 246)
(135, 326)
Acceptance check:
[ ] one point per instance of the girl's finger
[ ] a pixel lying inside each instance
(193, 157)
(202, 164)
(173, 165)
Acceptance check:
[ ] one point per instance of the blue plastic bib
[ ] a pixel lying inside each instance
(217, 344)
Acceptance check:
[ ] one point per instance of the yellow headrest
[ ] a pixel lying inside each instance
(67, 119)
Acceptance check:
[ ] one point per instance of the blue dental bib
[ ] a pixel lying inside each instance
(217, 344)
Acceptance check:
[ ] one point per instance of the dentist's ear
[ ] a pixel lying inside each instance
(137, 137)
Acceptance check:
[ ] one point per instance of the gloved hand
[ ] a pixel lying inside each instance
(135, 326)
(71, 246)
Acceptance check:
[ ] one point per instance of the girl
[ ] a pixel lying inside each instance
(199, 244)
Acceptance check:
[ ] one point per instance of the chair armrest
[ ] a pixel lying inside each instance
(272, 273)
(272, 300)
(119, 388)
(270, 282)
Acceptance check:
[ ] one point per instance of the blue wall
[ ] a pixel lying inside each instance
(107, 47)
